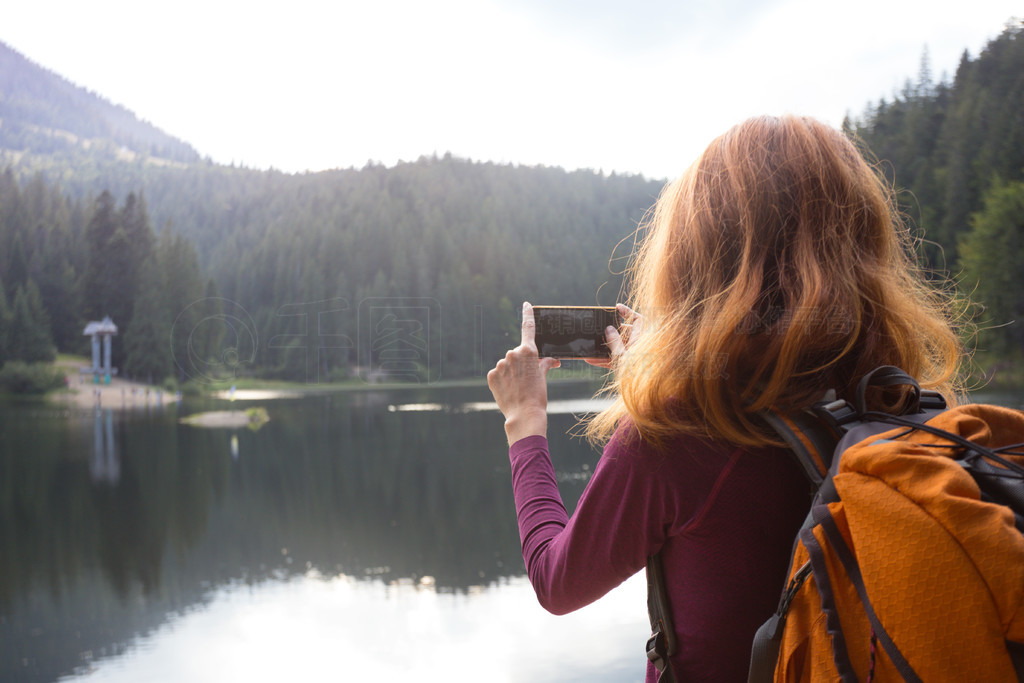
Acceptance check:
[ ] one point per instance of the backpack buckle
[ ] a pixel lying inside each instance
(836, 414)
(656, 650)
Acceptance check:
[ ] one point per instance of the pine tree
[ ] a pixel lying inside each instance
(992, 256)
(17, 271)
(5, 323)
(63, 302)
(147, 339)
(209, 330)
(118, 244)
(139, 237)
(29, 338)
(100, 286)
(179, 264)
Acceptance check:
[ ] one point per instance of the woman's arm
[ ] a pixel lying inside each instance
(623, 516)
(571, 562)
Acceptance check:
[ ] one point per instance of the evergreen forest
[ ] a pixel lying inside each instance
(414, 271)
(954, 151)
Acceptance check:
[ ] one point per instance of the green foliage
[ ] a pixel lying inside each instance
(51, 240)
(145, 340)
(5, 324)
(301, 253)
(28, 336)
(945, 147)
(118, 242)
(992, 257)
(178, 263)
(18, 377)
(941, 144)
(193, 388)
(208, 330)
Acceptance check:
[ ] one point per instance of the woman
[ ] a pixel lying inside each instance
(773, 270)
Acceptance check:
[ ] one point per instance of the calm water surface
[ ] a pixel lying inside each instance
(356, 536)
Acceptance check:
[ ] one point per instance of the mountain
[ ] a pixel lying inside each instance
(43, 113)
(302, 258)
(470, 239)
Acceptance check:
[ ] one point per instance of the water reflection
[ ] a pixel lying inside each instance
(258, 394)
(114, 525)
(312, 628)
(105, 465)
(571, 406)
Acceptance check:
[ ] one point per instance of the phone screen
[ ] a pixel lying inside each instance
(573, 331)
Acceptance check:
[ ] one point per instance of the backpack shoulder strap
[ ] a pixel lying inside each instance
(810, 439)
(662, 643)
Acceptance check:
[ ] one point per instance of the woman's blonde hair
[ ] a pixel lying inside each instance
(774, 269)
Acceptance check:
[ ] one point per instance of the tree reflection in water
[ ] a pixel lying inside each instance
(105, 465)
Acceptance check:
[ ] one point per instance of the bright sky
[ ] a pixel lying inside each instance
(636, 86)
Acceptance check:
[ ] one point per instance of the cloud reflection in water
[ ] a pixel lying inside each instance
(574, 406)
(311, 628)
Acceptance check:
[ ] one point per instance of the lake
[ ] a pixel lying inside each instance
(364, 535)
(355, 536)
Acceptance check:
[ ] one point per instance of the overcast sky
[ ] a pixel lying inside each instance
(638, 86)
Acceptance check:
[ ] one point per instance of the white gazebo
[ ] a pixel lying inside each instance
(105, 329)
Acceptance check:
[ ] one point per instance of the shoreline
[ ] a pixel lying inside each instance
(80, 390)
(120, 394)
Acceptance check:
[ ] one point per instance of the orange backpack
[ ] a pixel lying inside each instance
(910, 565)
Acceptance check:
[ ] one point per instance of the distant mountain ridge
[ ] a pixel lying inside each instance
(42, 113)
(473, 237)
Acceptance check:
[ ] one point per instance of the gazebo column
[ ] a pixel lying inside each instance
(96, 352)
(106, 354)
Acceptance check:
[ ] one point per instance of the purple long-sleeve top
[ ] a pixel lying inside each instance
(724, 517)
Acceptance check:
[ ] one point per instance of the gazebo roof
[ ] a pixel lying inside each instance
(106, 326)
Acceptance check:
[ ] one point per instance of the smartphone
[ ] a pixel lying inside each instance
(573, 331)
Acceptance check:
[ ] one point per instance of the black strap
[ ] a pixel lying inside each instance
(1016, 651)
(821, 436)
(887, 376)
(662, 644)
(849, 562)
(814, 450)
(963, 442)
(840, 656)
(764, 652)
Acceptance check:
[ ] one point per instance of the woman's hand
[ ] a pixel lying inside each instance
(619, 340)
(519, 385)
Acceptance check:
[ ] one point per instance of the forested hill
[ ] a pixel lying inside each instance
(956, 152)
(90, 226)
(293, 275)
(293, 265)
(43, 113)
